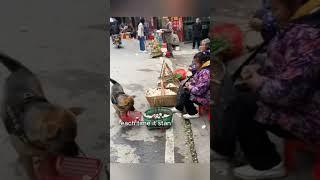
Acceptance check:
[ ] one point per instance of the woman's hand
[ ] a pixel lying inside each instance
(188, 86)
(255, 81)
(248, 70)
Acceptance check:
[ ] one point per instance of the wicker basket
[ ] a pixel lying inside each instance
(156, 54)
(167, 79)
(174, 89)
(166, 83)
(163, 100)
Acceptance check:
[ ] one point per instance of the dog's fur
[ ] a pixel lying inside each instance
(52, 126)
(122, 102)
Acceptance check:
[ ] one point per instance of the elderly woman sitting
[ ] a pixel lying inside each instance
(205, 47)
(285, 93)
(198, 89)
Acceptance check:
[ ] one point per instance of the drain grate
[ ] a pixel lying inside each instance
(190, 141)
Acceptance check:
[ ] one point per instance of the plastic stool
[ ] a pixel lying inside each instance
(150, 37)
(291, 146)
(203, 109)
(168, 54)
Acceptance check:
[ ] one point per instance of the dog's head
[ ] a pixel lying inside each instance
(59, 130)
(125, 102)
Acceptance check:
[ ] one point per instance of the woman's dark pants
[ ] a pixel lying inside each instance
(196, 42)
(185, 102)
(259, 151)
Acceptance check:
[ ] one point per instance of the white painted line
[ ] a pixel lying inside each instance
(169, 149)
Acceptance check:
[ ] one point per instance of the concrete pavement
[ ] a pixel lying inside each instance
(138, 72)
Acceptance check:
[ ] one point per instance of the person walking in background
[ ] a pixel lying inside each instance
(168, 30)
(141, 35)
(196, 33)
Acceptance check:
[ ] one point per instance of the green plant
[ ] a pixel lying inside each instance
(218, 45)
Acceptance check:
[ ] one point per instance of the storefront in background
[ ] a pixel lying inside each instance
(181, 25)
(150, 25)
(177, 24)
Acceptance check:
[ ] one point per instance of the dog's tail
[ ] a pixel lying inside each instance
(113, 81)
(10, 63)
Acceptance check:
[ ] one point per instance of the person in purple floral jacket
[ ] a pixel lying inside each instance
(198, 88)
(285, 92)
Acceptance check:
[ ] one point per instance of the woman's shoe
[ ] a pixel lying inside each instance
(214, 156)
(248, 172)
(220, 163)
(188, 116)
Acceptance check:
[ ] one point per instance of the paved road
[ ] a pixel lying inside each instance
(138, 72)
(63, 42)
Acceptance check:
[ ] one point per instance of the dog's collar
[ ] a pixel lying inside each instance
(14, 122)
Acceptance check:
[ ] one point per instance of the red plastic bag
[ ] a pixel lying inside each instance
(232, 34)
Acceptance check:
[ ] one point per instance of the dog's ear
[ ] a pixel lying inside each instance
(133, 96)
(77, 110)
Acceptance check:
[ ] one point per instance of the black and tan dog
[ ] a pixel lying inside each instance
(120, 100)
(36, 127)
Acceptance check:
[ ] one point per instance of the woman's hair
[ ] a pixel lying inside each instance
(202, 57)
(142, 20)
(206, 42)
